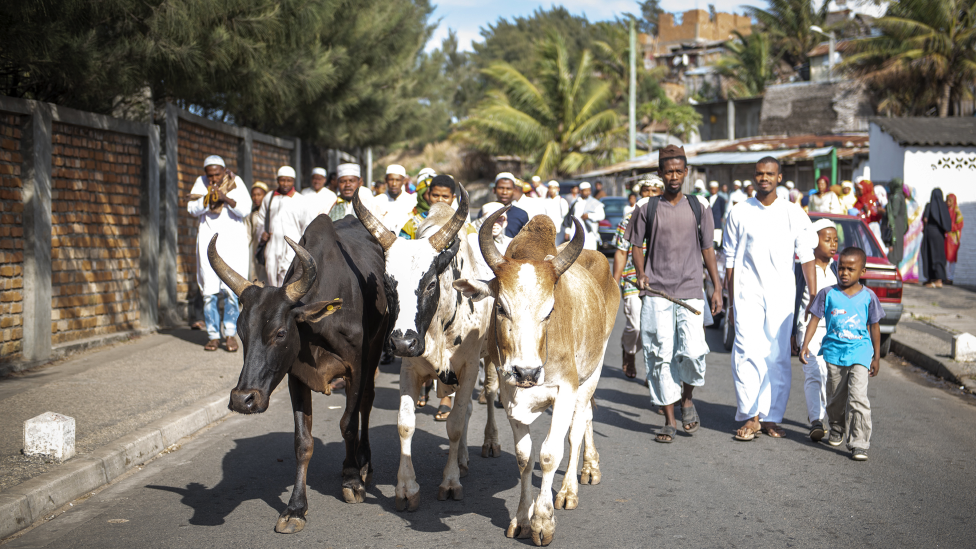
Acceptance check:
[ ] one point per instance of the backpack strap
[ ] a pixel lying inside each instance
(696, 208)
(649, 213)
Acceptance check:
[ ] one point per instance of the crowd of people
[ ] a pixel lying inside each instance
(665, 263)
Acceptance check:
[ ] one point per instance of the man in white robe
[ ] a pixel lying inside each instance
(556, 208)
(319, 194)
(224, 215)
(289, 214)
(394, 206)
(590, 212)
(762, 234)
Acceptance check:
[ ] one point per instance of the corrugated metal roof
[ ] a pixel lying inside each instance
(928, 132)
(712, 159)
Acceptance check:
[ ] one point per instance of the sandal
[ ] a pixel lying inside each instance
(442, 412)
(422, 399)
(212, 345)
(232, 344)
(773, 431)
(817, 431)
(689, 415)
(746, 433)
(198, 325)
(666, 431)
(630, 365)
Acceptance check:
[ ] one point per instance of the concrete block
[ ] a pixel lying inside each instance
(50, 435)
(964, 347)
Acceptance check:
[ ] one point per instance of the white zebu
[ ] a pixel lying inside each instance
(552, 316)
(438, 333)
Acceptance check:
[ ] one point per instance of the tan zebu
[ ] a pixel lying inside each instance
(550, 322)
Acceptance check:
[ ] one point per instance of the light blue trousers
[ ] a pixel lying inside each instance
(211, 314)
(674, 347)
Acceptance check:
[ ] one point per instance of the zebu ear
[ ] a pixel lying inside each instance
(317, 311)
(444, 258)
(475, 289)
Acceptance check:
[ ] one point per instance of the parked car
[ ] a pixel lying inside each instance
(881, 276)
(613, 207)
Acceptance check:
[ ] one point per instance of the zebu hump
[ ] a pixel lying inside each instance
(535, 241)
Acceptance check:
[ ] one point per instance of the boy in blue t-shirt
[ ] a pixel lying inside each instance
(852, 343)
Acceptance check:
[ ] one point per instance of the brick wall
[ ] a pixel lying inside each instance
(11, 236)
(195, 144)
(95, 181)
(267, 160)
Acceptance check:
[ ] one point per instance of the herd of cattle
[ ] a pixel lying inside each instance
(541, 325)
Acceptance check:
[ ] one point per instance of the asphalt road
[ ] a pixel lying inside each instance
(226, 486)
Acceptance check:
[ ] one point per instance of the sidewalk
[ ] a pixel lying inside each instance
(930, 319)
(129, 403)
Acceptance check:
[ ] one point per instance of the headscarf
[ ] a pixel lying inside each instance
(939, 211)
(882, 194)
(955, 233)
(423, 183)
(867, 202)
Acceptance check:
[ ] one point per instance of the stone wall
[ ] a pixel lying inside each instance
(195, 144)
(11, 236)
(817, 108)
(698, 25)
(95, 224)
(267, 159)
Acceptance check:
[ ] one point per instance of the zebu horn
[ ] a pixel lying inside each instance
(443, 238)
(565, 259)
(487, 243)
(231, 278)
(297, 289)
(373, 225)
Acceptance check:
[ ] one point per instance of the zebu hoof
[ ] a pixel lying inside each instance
(543, 527)
(491, 450)
(354, 494)
(590, 475)
(464, 469)
(289, 524)
(518, 531)
(410, 503)
(455, 492)
(566, 500)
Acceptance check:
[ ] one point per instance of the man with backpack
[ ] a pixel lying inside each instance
(677, 232)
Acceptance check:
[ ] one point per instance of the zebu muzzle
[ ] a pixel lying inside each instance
(406, 345)
(526, 377)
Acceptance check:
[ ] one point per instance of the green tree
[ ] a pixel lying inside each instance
(788, 23)
(559, 122)
(749, 64)
(925, 55)
(650, 12)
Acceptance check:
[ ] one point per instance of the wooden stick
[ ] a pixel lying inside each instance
(673, 300)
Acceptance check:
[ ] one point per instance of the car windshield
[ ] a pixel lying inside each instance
(614, 207)
(853, 232)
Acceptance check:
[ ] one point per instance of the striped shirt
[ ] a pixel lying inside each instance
(628, 281)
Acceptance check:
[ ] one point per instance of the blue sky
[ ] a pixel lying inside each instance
(467, 17)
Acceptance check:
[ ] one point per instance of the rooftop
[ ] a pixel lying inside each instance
(926, 132)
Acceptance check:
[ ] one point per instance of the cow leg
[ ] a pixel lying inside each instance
(550, 455)
(491, 447)
(568, 496)
(365, 455)
(292, 519)
(353, 472)
(455, 468)
(520, 526)
(591, 459)
(407, 489)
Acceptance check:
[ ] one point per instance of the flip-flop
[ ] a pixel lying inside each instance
(690, 415)
(212, 345)
(667, 431)
(774, 432)
(750, 434)
(442, 412)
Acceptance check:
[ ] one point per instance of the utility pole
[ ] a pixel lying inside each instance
(632, 111)
(830, 52)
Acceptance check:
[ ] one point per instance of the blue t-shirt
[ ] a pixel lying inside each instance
(848, 341)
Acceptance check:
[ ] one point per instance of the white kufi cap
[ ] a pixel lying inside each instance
(396, 169)
(552, 183)
(345, 170)
(319, 171)
(584, 185)
(504, 175)
(286, 171)
(214, 160)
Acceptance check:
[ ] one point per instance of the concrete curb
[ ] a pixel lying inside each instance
(30, 501)
(945, 369)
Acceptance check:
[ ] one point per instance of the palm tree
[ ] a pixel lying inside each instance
(788, 23)
(750, 64)
(927, 47)
(559, 122)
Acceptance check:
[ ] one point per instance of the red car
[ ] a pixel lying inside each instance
(881, 276)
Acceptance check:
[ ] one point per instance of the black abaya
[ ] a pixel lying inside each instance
(933, 237)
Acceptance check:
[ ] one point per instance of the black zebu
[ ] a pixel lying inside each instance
(318, 327)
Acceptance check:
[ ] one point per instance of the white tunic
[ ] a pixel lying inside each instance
(290, 215)
(591, 225)
(760, 243)
(321, 201)
(232, 244)
(394, 212)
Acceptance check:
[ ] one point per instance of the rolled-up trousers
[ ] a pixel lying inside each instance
(674, 347)
(761, 357)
